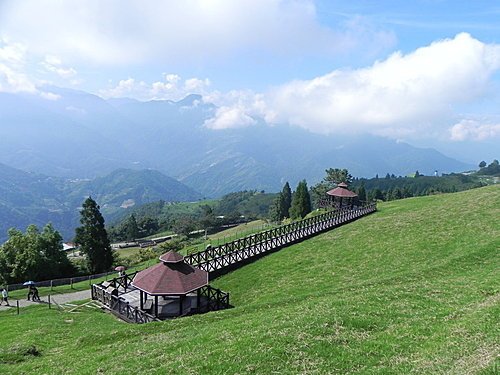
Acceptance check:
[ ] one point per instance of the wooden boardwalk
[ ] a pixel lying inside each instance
(229, 255)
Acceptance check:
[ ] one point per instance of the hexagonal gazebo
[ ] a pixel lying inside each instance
(173, 285)
(341, 196)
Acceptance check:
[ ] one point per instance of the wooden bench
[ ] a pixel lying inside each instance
(148, 305)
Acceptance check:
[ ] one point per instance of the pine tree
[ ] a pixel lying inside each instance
(396, 193)
(93, 238)
(301, 201)
(377, 194)
(131, 228)
(287, 200)
(336, 176)
(276, 211)
(362, 193)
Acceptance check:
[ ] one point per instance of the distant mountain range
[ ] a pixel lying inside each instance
(84, 136)
(28, 198)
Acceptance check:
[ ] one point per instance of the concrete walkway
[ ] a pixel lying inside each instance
(55, 298)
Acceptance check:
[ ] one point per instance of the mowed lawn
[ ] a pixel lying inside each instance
(411, 289)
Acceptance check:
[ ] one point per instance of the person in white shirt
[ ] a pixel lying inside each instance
(5, 297)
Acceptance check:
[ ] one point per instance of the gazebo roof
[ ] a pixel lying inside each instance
(170, 278)
(342, 191)
(171, 257)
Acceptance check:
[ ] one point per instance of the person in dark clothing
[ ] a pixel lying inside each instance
(36, 297)
(30, 292)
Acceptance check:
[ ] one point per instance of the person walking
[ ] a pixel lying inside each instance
(36, 297)
(30, 292)
(5, 297)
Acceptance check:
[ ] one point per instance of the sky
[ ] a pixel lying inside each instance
(425, 71)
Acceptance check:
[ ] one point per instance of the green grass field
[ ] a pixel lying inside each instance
(411, 289)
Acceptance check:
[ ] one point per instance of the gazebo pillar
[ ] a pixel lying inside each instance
(142, 299)
(181, 298)
(156, 306)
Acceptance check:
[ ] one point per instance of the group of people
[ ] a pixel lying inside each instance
(33, 293)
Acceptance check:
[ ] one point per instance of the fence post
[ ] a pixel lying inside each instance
(51, 285)
(71, 282)
(17, 303)
(49, 302)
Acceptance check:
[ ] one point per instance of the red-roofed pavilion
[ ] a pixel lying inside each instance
(341, 195)
(172, 279)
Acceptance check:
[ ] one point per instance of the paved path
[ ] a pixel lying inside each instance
(55, 298)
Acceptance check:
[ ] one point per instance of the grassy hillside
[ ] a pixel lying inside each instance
(414, 288)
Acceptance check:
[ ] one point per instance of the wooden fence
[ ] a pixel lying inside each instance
(212, 299)
(208, 299)
(231, 253)
(119, 306)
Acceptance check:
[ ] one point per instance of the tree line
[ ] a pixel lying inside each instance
(184, 218)
(38, 255)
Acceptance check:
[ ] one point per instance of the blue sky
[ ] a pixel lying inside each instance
(426, 72)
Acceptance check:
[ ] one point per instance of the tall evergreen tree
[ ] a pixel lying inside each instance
(93, 238)
(362, 193)
(276, 212)
(336, 176)
(131, 228)
(287, 200)
(301, 201)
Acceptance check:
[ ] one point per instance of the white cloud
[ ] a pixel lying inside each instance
(12, 61)
(229, 117)
(14, 81)
(172, 88)
(196, 85)
(134, 31)
(236, 108)
(14, 67)
(404, 95)
(467, 130)
(54, 64)
(126, 88)
(12, 53)
(50, 96)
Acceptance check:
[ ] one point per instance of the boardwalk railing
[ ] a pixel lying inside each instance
(215, 299)
(117, 305)
(230, 253)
